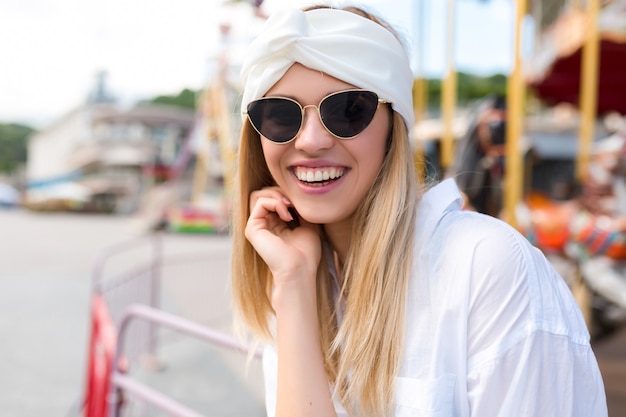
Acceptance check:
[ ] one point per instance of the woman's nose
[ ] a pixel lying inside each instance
(313, 136)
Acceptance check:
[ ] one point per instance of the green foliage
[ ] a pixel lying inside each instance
(186, 99)
(472, 87)
(469, 88)
(13, 143)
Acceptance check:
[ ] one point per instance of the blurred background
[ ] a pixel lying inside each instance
(118, 130)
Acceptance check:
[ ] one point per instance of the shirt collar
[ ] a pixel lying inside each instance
(441, 198)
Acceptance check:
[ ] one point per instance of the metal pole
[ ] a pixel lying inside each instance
(155, 291)
(588, 89)
(448, 102)
(514, 126)
(421, 86)
(420, 89)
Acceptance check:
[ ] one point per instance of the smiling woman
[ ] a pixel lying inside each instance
(375, 295)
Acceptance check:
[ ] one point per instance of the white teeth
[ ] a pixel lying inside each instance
(317, 174)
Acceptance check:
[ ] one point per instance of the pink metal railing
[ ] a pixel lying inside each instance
(141, 284)
(121, 383)
(129, 291)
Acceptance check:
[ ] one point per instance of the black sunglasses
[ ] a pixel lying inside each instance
(344, 114)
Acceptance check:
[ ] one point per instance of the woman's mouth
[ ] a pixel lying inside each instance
(318, 177)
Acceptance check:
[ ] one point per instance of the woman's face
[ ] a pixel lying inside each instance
(347, 168)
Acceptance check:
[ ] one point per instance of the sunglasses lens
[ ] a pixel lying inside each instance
(277, 119)
(348, 113)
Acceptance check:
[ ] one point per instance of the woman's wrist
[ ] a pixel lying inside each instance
(293, 292)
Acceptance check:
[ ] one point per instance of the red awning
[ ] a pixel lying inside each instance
(554, 73)
(562, 81)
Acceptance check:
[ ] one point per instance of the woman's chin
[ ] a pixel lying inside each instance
(320, 217)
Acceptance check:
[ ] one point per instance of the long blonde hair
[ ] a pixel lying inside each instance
(369, 342)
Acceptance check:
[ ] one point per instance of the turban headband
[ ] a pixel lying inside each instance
(339, 43)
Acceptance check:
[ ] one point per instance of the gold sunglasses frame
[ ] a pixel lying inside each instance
(317, 107)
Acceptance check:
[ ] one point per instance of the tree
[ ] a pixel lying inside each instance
(186, 99)
(13, 145)
(469, 88)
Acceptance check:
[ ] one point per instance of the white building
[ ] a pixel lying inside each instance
(103, 158)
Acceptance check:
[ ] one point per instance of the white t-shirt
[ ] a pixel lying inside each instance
(492, 329)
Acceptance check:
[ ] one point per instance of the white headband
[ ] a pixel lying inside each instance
(342, 44)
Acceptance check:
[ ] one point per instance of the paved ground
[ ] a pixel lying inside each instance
(46, 263)
(611, 354)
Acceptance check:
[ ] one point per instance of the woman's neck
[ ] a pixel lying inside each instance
(339, 235)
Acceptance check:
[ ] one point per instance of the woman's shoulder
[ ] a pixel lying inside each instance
(441, 217)
(481, 249)
(477, 247)
(460, 229)
(496, 264)
(465, 249)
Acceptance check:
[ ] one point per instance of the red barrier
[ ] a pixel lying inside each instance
(100, 360)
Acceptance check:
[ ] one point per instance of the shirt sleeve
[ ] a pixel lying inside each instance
(542, 375)
(270, 366)
(528, 345)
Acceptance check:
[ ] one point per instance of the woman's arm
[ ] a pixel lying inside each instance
(293, 256)
(303, 388)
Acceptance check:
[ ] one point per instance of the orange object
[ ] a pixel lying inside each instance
(598, 239)
(550, 222)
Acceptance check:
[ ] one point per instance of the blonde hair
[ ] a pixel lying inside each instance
(369, 342)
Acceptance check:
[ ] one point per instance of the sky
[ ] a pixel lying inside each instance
(51, 50)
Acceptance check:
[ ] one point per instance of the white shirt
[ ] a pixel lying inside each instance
(492, 330)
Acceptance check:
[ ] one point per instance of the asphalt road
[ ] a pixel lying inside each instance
(611, 355)
(46, 267)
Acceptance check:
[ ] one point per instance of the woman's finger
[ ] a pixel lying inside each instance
(264, 203)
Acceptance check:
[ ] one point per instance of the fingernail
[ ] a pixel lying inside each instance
(286, 201)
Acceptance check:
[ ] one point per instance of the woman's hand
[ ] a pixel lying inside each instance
(290, 253)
